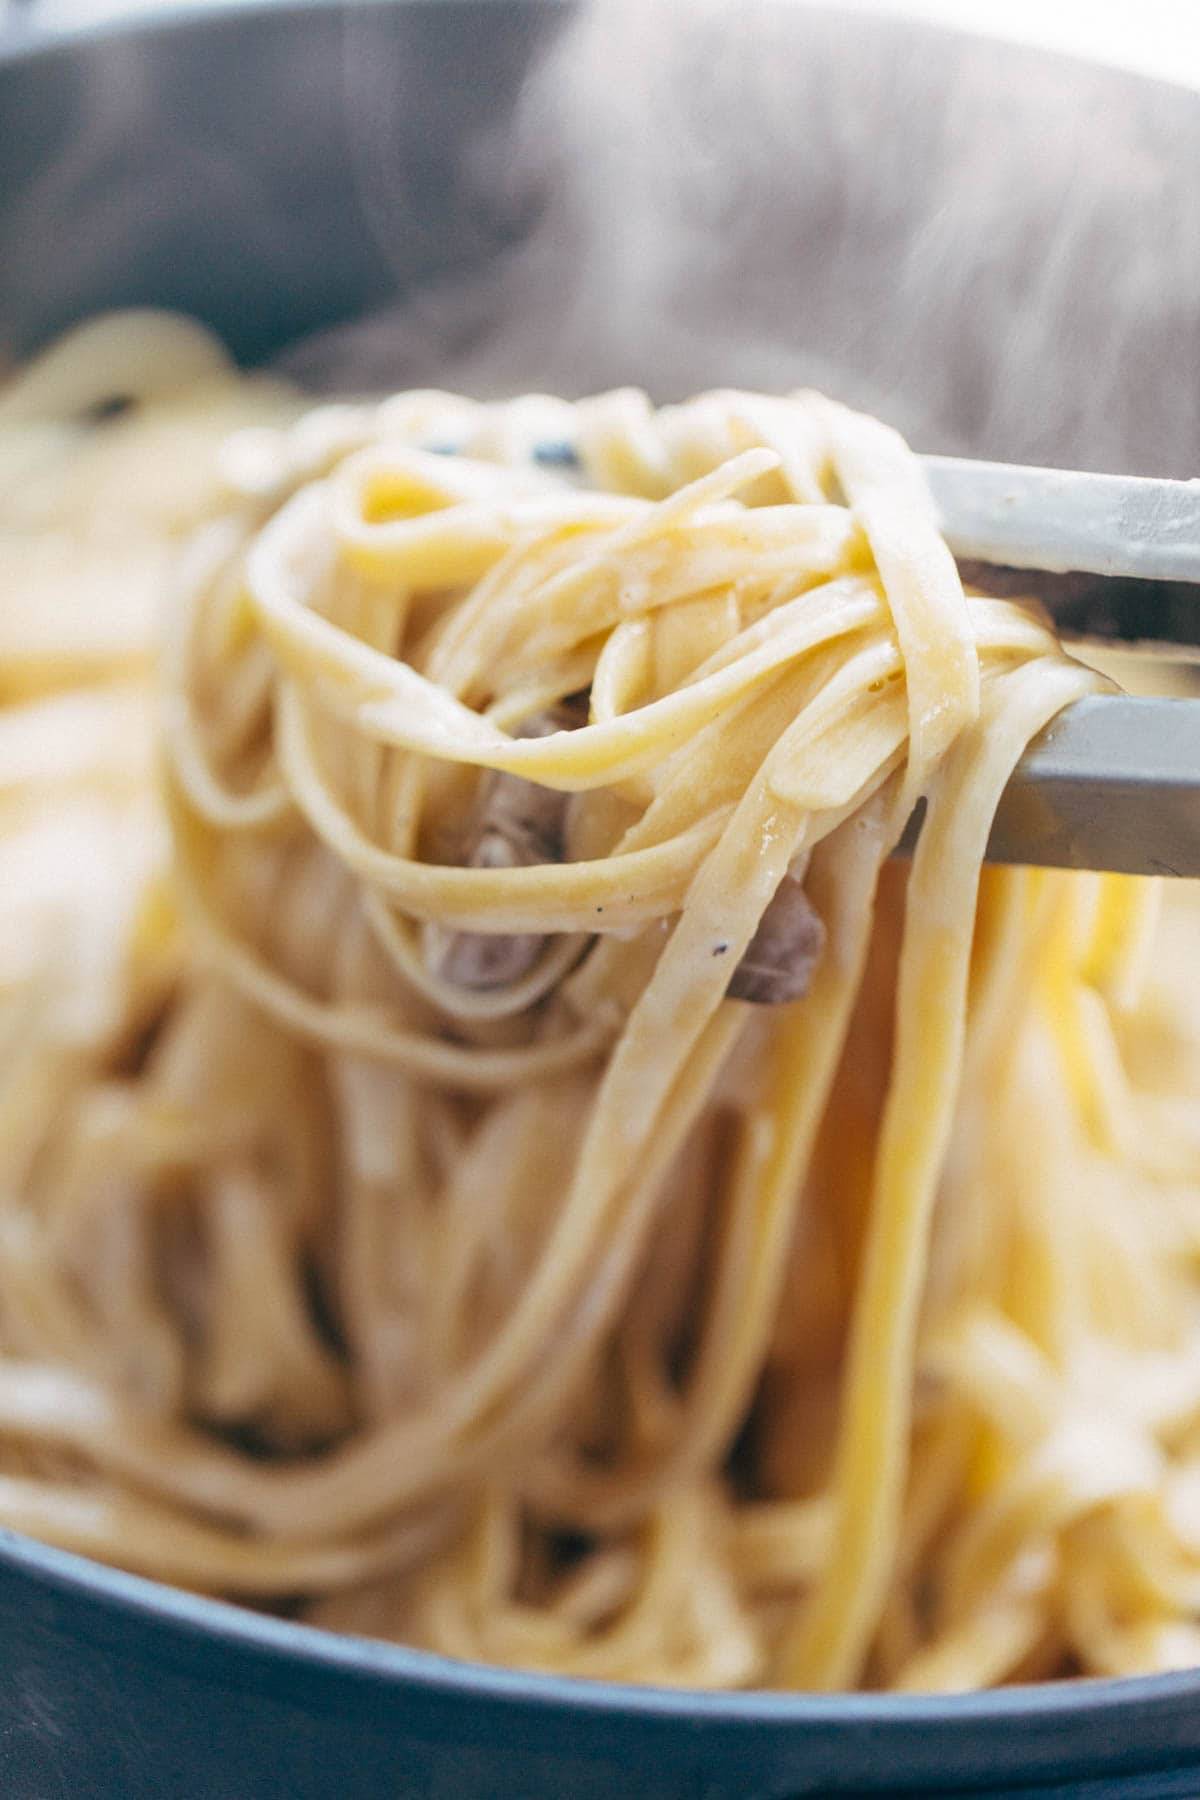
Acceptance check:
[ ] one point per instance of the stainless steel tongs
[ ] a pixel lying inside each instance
(1114, 782)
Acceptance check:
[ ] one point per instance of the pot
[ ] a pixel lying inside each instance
(210, 160)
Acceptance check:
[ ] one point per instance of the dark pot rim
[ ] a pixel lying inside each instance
(198, 1623)
(24, 36)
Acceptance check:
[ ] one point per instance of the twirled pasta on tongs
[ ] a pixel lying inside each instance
(519, 1167)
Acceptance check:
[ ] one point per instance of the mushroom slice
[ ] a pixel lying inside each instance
(781, 958)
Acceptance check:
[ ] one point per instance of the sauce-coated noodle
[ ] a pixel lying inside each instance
(398, 1216)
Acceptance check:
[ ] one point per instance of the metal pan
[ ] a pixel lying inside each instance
(210, 161)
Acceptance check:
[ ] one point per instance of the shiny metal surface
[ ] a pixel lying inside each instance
(1112, 783)
(1064, 519)
(1115, 782)
(1140, 816)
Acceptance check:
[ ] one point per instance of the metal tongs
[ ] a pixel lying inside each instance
(1114, 781)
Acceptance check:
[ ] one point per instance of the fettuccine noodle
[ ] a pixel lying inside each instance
(494, 1150)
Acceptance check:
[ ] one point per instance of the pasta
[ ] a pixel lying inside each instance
(494, 1150)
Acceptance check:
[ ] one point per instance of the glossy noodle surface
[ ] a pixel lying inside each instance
(493, 1153)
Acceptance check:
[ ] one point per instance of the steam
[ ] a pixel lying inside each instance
(997, 250)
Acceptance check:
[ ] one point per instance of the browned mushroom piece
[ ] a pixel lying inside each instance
(516, 824)
(781, 958)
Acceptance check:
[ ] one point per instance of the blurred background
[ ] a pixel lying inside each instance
(1155, 37)
(908, 203)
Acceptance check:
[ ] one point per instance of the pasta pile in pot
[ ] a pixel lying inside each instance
(492, 1151)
